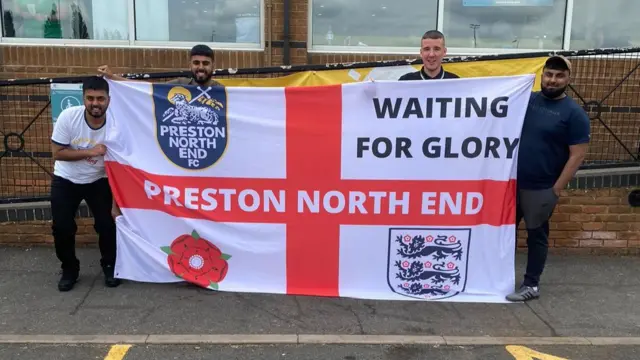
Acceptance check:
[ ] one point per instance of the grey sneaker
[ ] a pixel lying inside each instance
(525, 293)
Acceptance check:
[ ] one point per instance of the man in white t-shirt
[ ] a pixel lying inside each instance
(79, 174)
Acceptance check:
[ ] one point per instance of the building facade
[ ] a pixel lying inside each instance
(62, 37)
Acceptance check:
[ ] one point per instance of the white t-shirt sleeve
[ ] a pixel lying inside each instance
(61, 134)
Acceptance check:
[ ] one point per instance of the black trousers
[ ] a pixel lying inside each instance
(536, 207)
(65, 200)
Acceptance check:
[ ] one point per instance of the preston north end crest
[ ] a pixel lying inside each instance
(191, 124)
(428, 263)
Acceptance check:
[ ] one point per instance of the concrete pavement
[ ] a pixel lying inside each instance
(586, 301)
(582, 296)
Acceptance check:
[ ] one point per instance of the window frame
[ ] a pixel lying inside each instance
(451, 51)
(140, 44)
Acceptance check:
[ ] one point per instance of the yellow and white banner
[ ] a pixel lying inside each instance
(65, 95)
(468, 69)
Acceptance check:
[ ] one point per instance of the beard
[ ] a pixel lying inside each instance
(201, 77)
(552, 93)
(96, 111)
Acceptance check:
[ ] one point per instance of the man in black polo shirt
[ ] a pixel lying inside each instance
(432, 50)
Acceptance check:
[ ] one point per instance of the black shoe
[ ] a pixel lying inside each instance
(68, 280)
(109, 279)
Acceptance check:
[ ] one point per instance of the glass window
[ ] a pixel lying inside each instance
(372, 23)
(603, 24)
(506, 24)
(224, 21)
(65, 19)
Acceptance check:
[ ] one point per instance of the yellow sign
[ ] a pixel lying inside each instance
(481, 68)
(524, 353)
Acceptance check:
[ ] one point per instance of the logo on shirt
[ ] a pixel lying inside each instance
(83, 143)
(191, 124)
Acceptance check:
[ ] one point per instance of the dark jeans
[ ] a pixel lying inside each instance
(536, 207)
(65, 200)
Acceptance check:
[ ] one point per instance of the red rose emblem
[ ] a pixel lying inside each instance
(196, 260)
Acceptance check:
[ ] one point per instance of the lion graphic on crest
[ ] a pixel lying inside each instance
(185, 113)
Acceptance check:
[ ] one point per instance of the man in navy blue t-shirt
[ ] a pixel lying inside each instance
(553, 144)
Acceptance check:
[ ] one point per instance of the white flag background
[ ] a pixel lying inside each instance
(380, 190)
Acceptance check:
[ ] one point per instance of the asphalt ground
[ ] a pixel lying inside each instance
(313, 352)
(589, 308)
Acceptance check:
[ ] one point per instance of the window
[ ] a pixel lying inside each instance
(222, 21)
(603, 24)
(65, 19)
(505, 24)
(367, 23)
(228, 23)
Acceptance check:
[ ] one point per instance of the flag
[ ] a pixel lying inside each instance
(378, 190)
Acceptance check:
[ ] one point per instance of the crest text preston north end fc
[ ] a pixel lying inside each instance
(191, 124)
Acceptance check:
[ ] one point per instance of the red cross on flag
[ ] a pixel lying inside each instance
(377, 190)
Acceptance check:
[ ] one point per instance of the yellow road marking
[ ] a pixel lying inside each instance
(524, 353)
(117, 352)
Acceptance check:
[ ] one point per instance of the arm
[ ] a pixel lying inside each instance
(579, 134)
(576, 157)
(115, 209)
(62, 152)
(61, 138)
(107, 73)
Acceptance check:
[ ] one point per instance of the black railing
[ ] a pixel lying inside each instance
(605, 81)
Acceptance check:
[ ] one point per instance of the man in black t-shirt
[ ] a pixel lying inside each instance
(432, 50)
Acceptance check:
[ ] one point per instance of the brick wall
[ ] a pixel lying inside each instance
(589, 217)
(594, 219)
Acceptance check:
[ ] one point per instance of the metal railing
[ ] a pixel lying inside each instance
(605, 82)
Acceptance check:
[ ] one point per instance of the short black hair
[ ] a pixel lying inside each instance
(202, 50)
(95, 83)
(433, 34)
